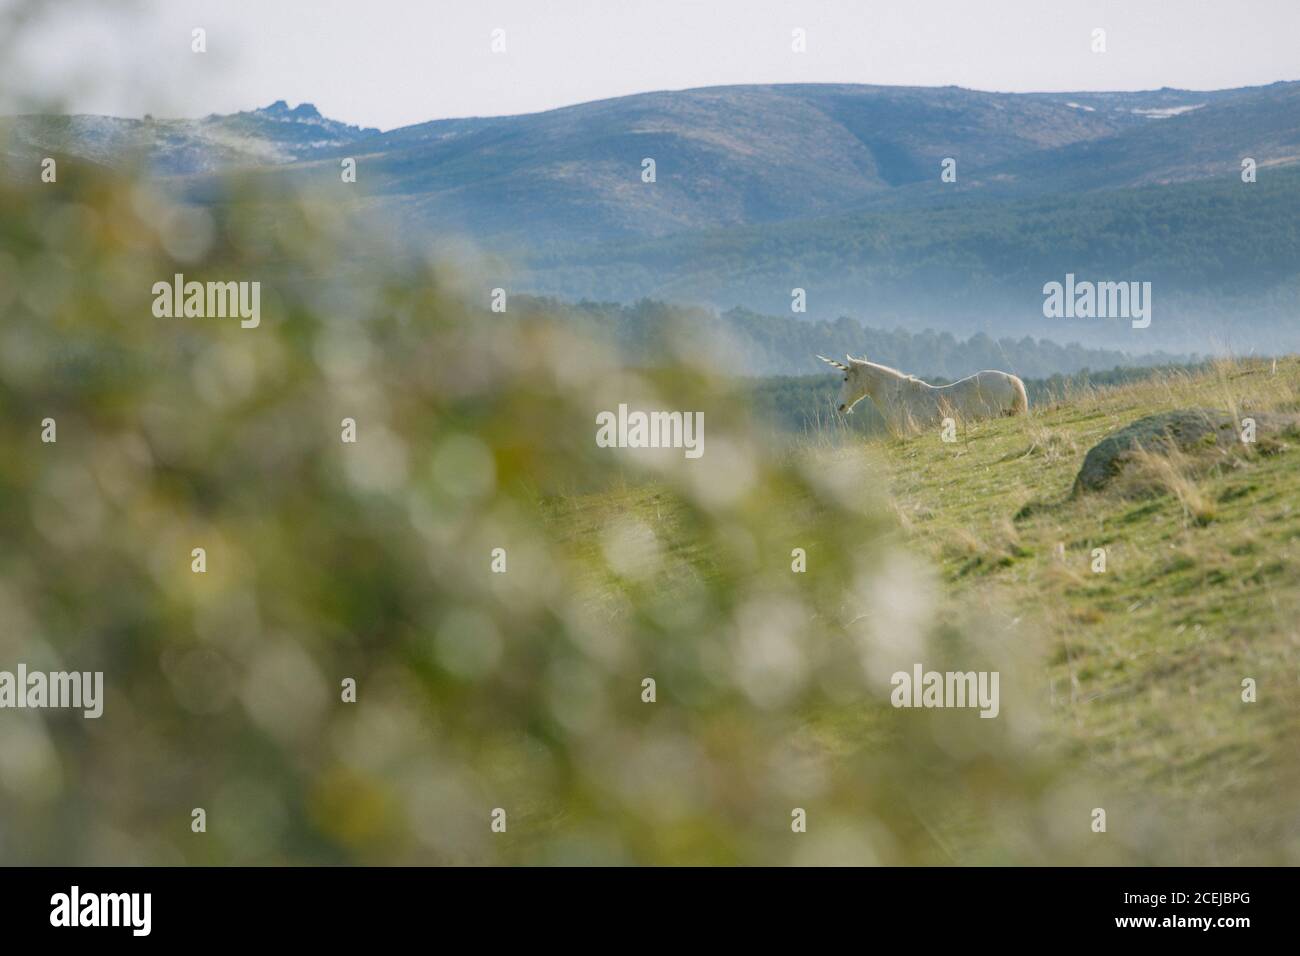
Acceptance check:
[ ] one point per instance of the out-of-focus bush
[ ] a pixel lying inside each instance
(373, 561)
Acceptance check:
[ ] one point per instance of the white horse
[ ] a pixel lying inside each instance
(907, 403)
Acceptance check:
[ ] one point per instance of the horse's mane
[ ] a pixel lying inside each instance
(893, 371)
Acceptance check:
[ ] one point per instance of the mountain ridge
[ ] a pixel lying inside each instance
(275, 134)
(836, 188)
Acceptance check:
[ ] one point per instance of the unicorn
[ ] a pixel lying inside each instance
(907, 403)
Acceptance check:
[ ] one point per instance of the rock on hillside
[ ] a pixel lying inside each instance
(1187, 429)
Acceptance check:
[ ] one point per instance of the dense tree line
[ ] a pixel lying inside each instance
(750, 344)
(1221, 254)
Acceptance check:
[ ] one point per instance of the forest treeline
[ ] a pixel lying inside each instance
(1221, 254)
(748, 343)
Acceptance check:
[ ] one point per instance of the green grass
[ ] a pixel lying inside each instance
(1141, 666)
(1200, 588)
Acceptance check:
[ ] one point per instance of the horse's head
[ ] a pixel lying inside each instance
(854, 387)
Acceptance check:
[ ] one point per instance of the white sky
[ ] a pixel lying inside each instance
(390, 63)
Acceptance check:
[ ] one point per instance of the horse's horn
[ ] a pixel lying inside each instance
(832, 362)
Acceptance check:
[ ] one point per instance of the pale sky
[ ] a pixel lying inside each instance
(390, 63)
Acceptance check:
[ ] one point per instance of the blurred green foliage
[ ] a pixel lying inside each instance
(328, 560)
(373, 561)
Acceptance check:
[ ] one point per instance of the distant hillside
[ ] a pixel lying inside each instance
(1206, 140)
(1223, 258)
(725, 156)
(834, 189)
(754, 155)
(272, 135)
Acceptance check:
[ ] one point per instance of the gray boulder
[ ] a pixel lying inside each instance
(1188, 429)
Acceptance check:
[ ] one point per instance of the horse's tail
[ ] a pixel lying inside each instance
(1019, 400)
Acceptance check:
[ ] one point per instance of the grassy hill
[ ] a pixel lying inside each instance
(1144, 662)
(1137, 670)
